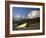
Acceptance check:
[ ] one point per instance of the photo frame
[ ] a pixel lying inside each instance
(24, 18)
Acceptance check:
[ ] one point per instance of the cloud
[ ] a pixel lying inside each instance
(34, 14)
(31, 15)
(19, 17)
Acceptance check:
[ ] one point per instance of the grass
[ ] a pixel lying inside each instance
(31, 24)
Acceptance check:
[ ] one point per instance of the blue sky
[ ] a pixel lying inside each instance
(23, 12)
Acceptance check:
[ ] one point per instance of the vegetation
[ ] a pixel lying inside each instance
(31, 24)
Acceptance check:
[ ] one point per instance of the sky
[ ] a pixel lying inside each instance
(23, 12)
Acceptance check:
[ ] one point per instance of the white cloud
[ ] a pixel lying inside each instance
(18, 16)
(31, 15)
(34, 14)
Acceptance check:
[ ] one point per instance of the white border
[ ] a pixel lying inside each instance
(25, 31)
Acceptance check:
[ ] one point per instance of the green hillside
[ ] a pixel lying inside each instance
(31, 24)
